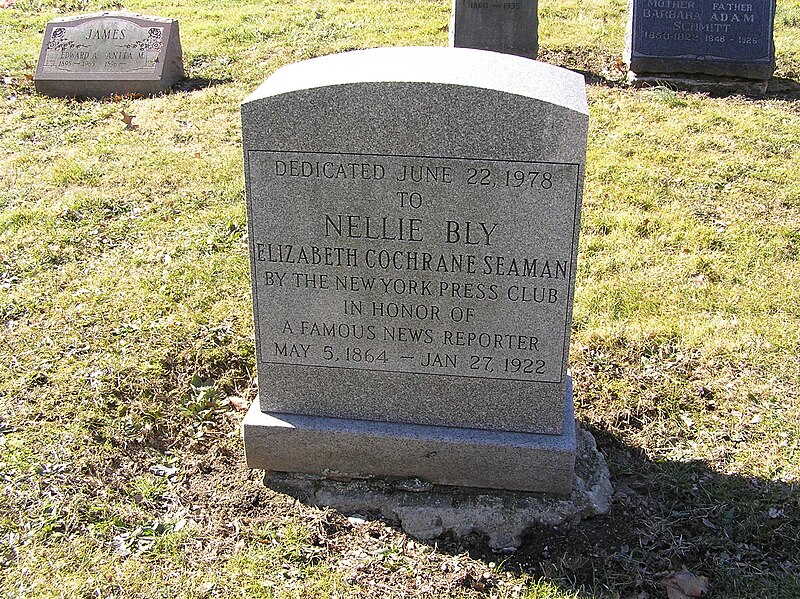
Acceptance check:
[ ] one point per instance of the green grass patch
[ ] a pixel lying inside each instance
(127, 342)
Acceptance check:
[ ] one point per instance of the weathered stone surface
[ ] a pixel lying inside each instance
(428, 513)
(508, 27)
(475, 120)
(345, 449)
(413, 217)
(108, 53)
(731, 39)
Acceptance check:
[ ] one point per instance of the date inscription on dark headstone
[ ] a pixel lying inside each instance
(510, 27)
(731, 39)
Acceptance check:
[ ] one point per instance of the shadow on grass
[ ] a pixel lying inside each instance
(781, 88)
(777, 88)
(597, 68)
(192, 84)
(608, 70)
(740, 532)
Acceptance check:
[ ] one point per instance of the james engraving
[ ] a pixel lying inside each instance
(103, 54)
(119, 46)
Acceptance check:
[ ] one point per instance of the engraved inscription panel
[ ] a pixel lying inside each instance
(509, 27)
(703, 30)
(431, 265)
(490, 6)
(103, 45)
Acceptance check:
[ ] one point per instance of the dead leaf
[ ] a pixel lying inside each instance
(239, 403)
(28, 76)
(128, 120)
(775, 514)
(709, 524)
(162, 470)
(699, 279)
(684, 585)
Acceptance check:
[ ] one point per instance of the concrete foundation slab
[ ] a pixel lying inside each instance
(697, 83)
(428, 512)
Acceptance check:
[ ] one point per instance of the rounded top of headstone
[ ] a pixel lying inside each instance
(445, 66)
(116, 14)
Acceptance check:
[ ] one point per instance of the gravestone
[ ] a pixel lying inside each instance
(703, 37)
(103, 54)
(507, 27)
(413, 222)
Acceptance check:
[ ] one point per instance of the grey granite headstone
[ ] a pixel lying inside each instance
(413, 218)
(507, 27)
(103, 54)
(705, 37)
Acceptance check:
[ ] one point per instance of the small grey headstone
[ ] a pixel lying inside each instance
(702, 37)
(507, 27)
(103, 54)
(413, 218)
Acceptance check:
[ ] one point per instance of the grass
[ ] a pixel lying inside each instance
(127, 343)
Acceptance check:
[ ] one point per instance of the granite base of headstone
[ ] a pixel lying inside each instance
(413, 220)
(109, 53)
(348, 448)
(428, 512)
(507, 27)
(714, 86)
(701, 45)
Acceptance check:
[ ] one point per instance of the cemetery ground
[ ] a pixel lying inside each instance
(127, 352)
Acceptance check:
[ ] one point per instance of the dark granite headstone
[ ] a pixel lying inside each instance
(730, 39)
(507, 27)
(102, 54)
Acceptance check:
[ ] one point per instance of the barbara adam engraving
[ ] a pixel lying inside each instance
(370, 271)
